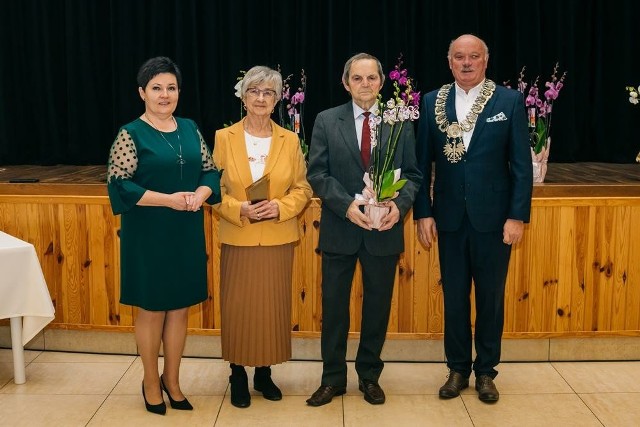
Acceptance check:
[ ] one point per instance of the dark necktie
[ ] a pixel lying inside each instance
(365, 143)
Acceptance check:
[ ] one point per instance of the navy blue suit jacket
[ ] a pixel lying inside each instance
(335, 173)
(493, 180)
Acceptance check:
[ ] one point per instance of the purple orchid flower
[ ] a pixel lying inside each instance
(297, 98)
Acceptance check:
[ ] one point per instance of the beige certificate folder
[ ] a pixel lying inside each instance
(259, 190)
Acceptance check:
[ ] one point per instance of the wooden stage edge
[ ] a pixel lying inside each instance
(575, 274)
(564, 180)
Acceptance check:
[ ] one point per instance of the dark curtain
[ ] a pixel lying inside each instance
(67, 72)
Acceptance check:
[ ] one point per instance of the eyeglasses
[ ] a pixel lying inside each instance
(266, 93)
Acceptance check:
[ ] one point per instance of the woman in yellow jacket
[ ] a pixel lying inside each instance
(258, 237)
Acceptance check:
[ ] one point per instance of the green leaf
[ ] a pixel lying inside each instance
(541, 130)
(388, 188)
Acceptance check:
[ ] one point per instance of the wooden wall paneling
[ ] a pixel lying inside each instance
(620, 263)
(111, 265)
(73, 247)
(316, 273)
(538, 235)
(435, 307)
(603, 267)
(306, 266)
(405, 280)
(566, 267)
(125, 313)
(95, 266)
(420, 287)
(632, 320)
(579, 257)
(549, 246)
(517, 291)
(213, 268)
(301, 305)
(580, 249)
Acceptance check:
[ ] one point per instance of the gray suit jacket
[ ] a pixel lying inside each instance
(335, 173)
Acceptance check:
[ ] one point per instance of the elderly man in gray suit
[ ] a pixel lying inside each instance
(335, 172)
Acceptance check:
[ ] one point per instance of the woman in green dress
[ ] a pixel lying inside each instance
(160, 172)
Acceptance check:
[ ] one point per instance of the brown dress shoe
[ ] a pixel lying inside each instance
(454, 385)
(324, 394)
(372, 392)
(487, 391)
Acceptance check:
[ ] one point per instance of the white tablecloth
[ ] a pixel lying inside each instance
(24, 297)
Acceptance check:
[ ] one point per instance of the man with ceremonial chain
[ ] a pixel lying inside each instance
(475, 133)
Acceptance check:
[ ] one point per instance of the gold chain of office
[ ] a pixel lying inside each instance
(454, 147)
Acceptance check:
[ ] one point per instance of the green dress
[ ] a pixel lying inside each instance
(162, 251)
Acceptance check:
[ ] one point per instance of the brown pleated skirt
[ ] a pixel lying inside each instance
(255, 301)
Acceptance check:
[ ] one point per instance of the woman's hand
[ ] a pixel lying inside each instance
(195, 200)
(264, 209)
(181, 200)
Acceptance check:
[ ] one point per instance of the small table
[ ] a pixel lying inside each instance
(24, 297)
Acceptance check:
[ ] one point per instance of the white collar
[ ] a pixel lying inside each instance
(357, 110)
(473, 92)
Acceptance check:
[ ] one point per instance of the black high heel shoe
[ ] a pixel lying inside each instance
(160, 408)
(182, 405)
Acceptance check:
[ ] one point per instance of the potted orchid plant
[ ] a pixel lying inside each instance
(382, 180)
(633, 98)
(539, 108)
(294, 119)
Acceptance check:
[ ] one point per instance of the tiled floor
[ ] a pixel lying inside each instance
(73, 389)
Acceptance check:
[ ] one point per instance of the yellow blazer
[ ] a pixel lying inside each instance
(288, 187)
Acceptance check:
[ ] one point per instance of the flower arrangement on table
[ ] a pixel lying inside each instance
(633, 94)
(633, 98)
(539, 109)
(293, 120)
(382, 180)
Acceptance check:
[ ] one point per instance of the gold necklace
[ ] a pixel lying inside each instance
(454, 147)
(181, 161)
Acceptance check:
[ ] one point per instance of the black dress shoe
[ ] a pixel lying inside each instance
(487, 391)
(372, 392)
(324, 394)
(240, 397)
(263, 383)
(160, 408)
(454, 385)
(182, 405)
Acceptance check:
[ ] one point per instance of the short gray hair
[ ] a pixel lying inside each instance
(484, 45)
(261, 74)
(357, 57)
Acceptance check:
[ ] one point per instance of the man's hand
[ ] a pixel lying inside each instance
(391, 218)
(358, 218)
(427, 231)
(512, 231)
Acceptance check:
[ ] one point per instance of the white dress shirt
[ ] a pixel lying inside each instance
(358, 116)
(464, 101)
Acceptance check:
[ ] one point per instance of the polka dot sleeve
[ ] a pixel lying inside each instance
(123, 159)
(124, 193)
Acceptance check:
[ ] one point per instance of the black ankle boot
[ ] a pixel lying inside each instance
(263, 383)
(240, 396)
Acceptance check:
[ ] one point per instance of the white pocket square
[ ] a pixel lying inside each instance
(500, 117)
